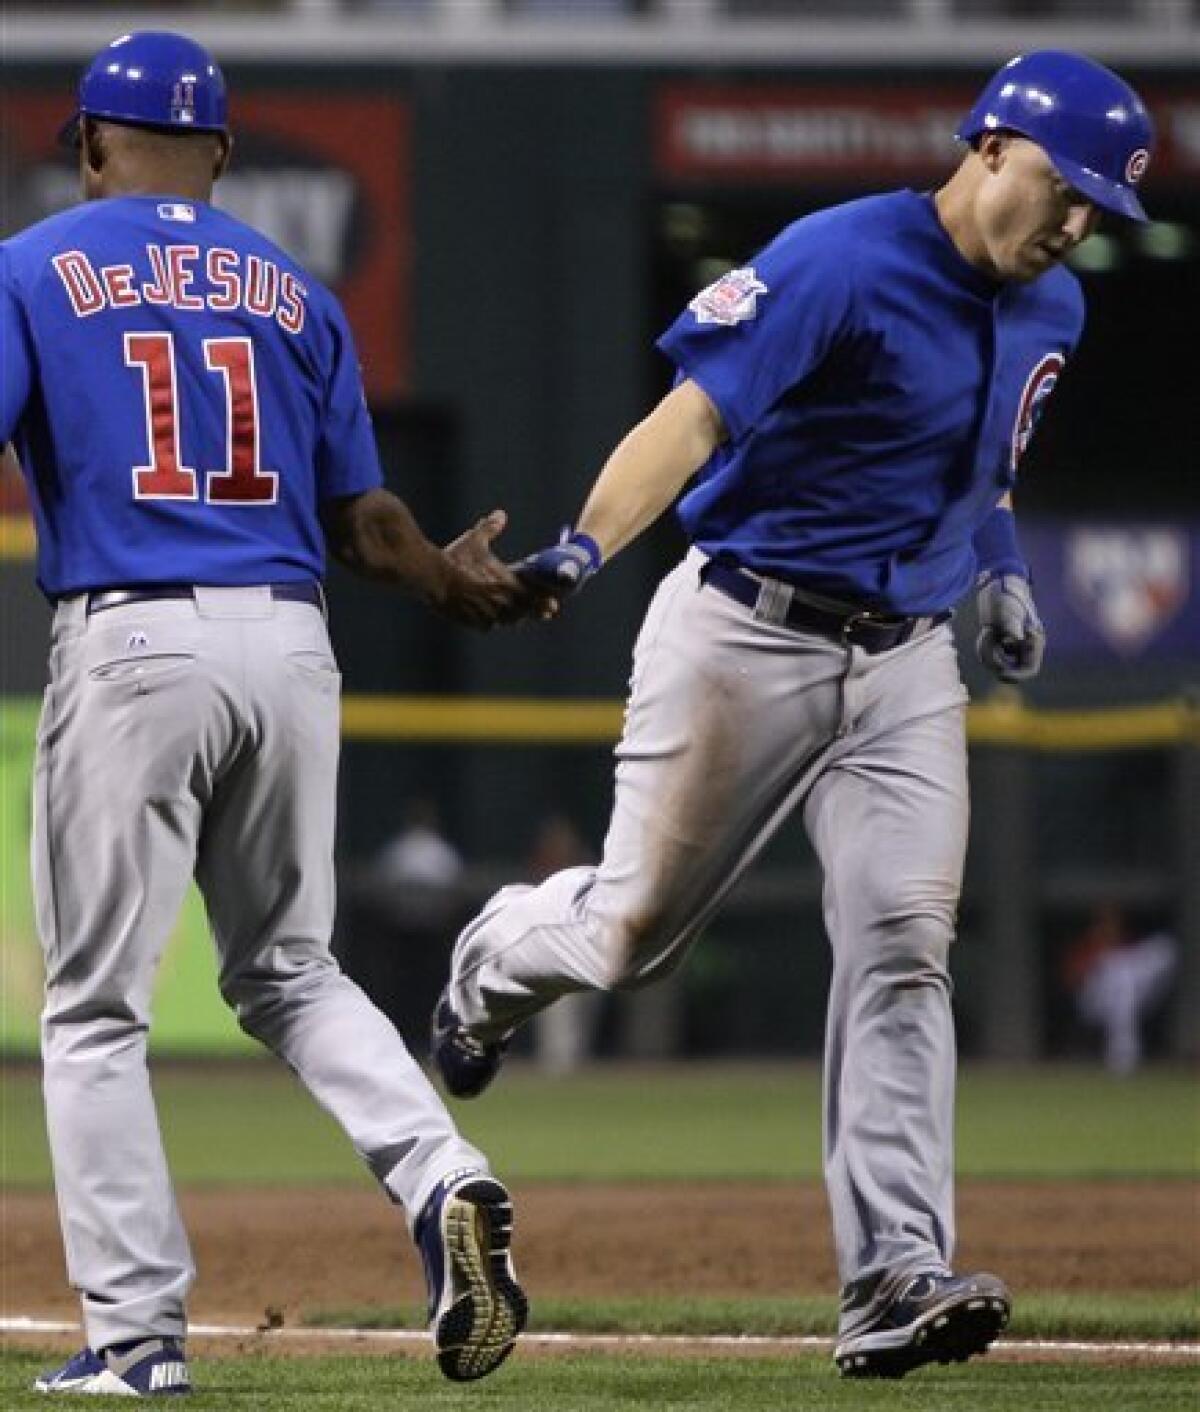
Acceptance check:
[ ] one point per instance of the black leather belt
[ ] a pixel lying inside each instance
(777, 602)
(101, 598)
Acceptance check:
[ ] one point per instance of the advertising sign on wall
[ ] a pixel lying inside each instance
(779, 133)
(766, 132)
(324, 174)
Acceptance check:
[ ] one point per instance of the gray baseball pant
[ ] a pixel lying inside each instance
(179, 737)
(732, 724)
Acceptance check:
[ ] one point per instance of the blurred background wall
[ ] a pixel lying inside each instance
(513, 198)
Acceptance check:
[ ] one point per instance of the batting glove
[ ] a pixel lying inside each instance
(1012, 640)
(564, 567)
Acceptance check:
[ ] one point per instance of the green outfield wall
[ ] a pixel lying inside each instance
(189, 1015)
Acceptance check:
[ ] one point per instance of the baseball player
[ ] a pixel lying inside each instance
(186, 403)
(853, 405)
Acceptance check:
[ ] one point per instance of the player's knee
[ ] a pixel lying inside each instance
(914, 943)
(98, 1031)
(259, 998)
(249, 1000)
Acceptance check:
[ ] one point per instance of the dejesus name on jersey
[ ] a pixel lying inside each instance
(234, 279)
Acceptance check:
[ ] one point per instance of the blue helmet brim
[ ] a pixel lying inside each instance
(68, 134)
(1109, 195)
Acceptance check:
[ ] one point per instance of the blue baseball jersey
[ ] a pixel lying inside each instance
(181, 395)
(878, 392)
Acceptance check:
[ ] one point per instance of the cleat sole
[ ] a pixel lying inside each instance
(489, 1309)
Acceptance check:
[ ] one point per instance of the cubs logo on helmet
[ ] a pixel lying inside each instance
(1135, 168)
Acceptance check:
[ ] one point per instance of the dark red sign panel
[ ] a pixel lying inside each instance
(743, 133)
(325, 175)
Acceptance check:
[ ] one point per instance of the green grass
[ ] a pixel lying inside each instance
(1143, 1317)
(745, 1122)
(610, 1382)
(252, 1123)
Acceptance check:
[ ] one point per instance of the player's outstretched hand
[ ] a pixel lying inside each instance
(563, 568)
(481, 590)
(1012, 640)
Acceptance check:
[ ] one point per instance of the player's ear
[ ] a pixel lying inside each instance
(223, 156)
(92, 148)
(993, 148)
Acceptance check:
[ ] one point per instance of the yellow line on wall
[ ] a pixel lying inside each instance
(508, 720)
(17, 537)
(530, 721)
(1110, 728)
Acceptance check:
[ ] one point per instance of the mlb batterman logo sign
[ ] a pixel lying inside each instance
(1127, 583)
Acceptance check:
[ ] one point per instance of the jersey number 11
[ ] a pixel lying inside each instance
(242, 481)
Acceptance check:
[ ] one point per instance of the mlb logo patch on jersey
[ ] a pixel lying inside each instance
(1128, 583)
(177, 211)
(732, 300)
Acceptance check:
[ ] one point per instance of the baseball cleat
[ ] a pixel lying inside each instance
(933, 1319)
(154, 1367)
(466, 1064)
(476, 1306)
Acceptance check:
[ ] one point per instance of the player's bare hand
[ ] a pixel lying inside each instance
(481, 590)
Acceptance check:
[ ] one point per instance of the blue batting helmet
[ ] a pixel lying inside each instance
(152, 78)
(1091, 124)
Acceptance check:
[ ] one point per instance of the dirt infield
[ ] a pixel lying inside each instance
(300, 1252)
